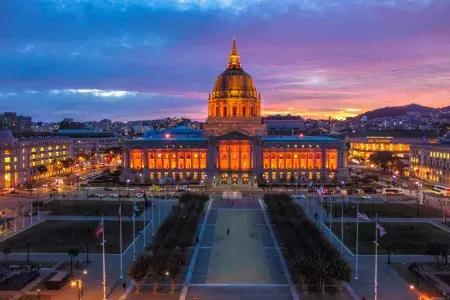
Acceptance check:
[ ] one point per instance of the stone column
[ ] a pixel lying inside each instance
(126, 158)
(324, 171)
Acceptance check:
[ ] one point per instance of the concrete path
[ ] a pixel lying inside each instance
(243, 264)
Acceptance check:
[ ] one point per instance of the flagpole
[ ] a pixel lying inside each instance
(134, 230)
(103, 258)
(342, 225)
(22, 212)
(331, 215)
(31, 212)
(153, 218)
(357, 238)
(144, 235)
(321, 210)
(307, 206)
(120, 239)
(375, 284)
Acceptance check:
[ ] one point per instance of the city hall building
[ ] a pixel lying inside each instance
(233, 146)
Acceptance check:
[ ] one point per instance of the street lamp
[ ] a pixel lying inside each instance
(78, 284)
(128, 190)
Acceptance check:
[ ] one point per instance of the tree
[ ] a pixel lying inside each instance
(72, 252)
(6, 252)
(157, 267)
(323, 268)
(42, 169)
(139, 269)
(174, 269)
(435, 249)
(381, 159)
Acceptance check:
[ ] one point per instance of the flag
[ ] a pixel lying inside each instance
(99, 230)
(381, 229)
(363, 216)
(320, 190)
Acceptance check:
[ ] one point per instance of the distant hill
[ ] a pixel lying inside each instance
(395, 111)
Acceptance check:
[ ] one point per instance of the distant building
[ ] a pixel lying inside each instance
(366, 143)
(105, 125)
(90, 141)
(15, 123)
(24, 160)
(431, 162)
(284, 125)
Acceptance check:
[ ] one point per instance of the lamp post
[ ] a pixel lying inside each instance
(38, 294)
(342, 216)
(78, 284)
(128, 189)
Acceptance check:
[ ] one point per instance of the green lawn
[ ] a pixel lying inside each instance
(406, 210)
(89, 207)
(59, 236)
(404, 238)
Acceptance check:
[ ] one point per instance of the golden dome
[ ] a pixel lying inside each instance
(234, 81)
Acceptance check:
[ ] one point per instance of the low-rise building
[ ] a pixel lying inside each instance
(364, 144)
(90, 141)
(24, 160)
(431, 163)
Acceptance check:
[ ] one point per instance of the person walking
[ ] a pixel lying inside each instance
(228, 231)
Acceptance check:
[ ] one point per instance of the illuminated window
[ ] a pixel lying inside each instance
(203, 160)
(266, 160)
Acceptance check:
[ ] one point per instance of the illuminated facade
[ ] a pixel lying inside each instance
(361, 148)
(29, 159)
(233, 147)
(431, 163)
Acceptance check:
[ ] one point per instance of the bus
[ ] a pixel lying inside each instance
(441, 190)
(392, 191)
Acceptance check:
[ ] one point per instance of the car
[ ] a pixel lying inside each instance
(139, 195)
(114, 195)
(99, 195)
(299, 197)
(366, 197)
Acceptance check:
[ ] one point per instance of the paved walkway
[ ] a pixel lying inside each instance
(241, 264)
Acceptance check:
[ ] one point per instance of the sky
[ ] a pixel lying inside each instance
(147, 59)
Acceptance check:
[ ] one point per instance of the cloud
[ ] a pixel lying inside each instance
(142, 58)
(94, 92)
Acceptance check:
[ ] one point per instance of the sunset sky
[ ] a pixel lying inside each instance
(145, 59)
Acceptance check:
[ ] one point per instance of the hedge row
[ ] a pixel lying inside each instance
(168, 251)
(311, 258)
